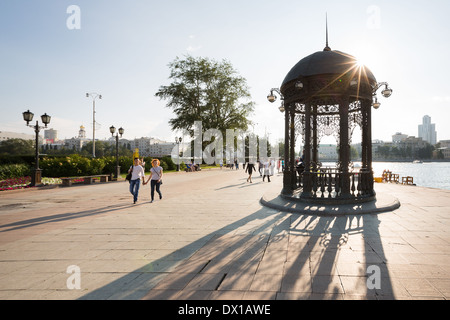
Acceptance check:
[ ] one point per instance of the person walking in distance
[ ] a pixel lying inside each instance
(250, 168)
(137, 172)
(156, 173)
(266, 170)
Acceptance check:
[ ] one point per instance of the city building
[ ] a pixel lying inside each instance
(148, 147)
(328, 152)
(427, 131)
(399, 137)
(50, 136)
(77, 143)
(445, 148)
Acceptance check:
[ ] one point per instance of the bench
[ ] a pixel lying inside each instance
(408, 180)
(67, 182)
(191, 168)
(391, 177)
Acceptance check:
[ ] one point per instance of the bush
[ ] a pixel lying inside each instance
(125, 163)
(71, 166)
(9, 171)
(170, 164)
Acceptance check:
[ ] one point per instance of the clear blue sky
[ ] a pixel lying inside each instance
(123, 47)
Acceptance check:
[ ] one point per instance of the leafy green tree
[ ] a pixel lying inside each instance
(17, 147)
(208, 91)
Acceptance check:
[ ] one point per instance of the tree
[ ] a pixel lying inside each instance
(208, 91)
(17, 147)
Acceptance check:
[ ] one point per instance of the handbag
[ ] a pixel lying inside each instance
(128, 177)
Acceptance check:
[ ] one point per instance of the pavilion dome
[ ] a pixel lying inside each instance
(326, 62)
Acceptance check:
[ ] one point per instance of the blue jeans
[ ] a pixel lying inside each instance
(154, 184)
(134, 188)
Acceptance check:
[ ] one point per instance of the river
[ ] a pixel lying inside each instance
(427, 174)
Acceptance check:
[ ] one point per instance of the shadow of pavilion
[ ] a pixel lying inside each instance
(266, 255)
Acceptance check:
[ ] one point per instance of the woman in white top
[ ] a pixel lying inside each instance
(266, 171)
(156, 173)
(137, 173)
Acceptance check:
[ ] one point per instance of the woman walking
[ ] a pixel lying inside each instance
(250, 168)
(137, 172)
(266, 170)
(156, 173)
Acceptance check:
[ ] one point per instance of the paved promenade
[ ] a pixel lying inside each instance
(211, 238)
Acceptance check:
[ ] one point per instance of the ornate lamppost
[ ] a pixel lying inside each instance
(93, 96)
(387, 92)
(178, 142)
(112, 129)
(28, 117)
(286, 172)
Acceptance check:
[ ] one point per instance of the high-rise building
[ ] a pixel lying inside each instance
(427, 131)
(50, 136)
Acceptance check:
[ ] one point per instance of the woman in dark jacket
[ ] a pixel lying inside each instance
(250, 168)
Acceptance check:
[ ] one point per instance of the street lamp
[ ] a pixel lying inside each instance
(93, 96)
(28, 117)
(178, 142)
(112, 129)
(272, 97)
(387, 92)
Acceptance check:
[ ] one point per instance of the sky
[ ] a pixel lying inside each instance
(52, 55)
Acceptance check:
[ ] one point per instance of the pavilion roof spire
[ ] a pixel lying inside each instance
(327, 48)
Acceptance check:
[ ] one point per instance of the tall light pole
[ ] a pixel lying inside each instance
(28, 117)
(178, 142)
(93, 96)
(112, 129)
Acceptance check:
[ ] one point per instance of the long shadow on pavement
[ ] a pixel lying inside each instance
(287, 256)
(63, 217)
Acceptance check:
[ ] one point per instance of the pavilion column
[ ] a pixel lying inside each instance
(369, 134)
(344, 147)
(366, 157)
(369, 148)
(307, 186)
(315, 149)
(363, 136)
(292, 147)
(287, 175)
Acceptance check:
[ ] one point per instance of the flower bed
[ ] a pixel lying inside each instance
(24, 182)
(15, 183)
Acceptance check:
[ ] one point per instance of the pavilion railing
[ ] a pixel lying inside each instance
(329, 183)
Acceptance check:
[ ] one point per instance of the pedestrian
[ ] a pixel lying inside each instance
(221, 163)
(156, 174)
(137, 172)
(250, 168)
(266, 171)
(272, 167)
(260, 167)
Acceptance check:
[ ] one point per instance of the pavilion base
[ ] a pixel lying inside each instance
(295, 204)
(299, 196)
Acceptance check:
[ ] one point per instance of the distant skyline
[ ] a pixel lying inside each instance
(54, 52)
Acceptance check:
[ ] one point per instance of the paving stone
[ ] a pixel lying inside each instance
(219, 242)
